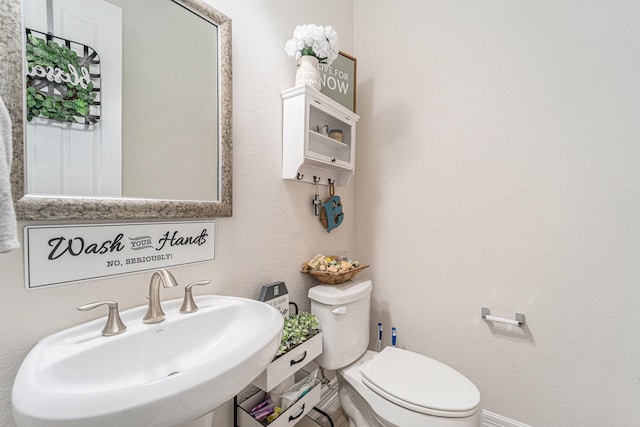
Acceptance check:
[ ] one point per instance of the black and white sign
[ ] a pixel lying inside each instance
(276, 295)
(56, 255)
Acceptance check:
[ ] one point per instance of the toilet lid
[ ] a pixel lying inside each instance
(421, 384)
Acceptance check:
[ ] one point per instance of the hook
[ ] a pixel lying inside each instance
(316, 179)
(300, 176)
(331, 181)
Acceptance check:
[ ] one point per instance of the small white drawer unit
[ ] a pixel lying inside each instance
(318, 138)
(290, 417)
(279, 370)
(289, 363)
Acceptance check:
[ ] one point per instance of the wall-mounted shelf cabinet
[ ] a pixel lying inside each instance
(308, 152)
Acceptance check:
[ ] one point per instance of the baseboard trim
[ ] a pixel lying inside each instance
(489, 419)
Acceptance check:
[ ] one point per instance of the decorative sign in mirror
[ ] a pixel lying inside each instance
(63, 79)
(155, 142)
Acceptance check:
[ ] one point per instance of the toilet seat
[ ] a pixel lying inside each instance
(420, 384)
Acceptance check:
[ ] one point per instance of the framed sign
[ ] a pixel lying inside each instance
(59, 254)
(276, 295)
(339, 80)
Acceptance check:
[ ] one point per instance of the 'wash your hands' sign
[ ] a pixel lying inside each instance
(56, 255)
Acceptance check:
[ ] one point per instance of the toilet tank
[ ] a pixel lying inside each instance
(343, 314)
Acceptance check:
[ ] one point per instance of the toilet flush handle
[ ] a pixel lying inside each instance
(339, 310)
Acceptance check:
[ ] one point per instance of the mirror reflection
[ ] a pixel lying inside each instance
(155, 131)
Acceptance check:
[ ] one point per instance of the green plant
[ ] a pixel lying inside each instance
(74, 100)
(297, 328)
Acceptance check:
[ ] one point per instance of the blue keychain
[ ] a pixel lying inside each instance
(331, 215)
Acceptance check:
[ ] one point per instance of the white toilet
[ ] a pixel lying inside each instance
(394, 387)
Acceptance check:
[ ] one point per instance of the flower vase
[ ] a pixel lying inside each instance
(308, 72)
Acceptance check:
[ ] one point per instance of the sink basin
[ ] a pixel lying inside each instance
(159, 374)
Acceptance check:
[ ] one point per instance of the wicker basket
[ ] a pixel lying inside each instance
(329, 278)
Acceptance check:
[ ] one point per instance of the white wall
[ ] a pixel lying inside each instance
(272, 230)
(497, 166)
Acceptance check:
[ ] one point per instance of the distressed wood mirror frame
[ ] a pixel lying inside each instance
(30, 207)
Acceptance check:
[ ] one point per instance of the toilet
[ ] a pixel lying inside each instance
(394, 387)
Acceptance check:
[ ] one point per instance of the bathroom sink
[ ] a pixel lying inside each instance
(161, 374)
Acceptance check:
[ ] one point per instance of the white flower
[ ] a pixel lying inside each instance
(292, 49)
(314, 40)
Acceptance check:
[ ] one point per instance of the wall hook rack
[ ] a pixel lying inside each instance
(519, 321)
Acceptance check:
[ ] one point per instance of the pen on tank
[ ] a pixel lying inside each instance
(379, 336)
(393, 336)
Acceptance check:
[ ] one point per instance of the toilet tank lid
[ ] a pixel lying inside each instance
(353, 290)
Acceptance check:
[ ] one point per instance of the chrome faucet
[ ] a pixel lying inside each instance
(154, 312)
(188, 304)
(114, 324)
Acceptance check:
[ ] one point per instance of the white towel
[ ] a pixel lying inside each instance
(8, 227)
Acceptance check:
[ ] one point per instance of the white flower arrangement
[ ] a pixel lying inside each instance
(313, 40)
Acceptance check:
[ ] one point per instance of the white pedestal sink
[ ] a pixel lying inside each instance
(161, 374)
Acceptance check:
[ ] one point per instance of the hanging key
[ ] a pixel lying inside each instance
(316, 198)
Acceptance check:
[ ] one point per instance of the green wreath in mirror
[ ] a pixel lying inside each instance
(58, 69)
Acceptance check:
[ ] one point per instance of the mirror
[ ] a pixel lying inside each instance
(163, 136)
